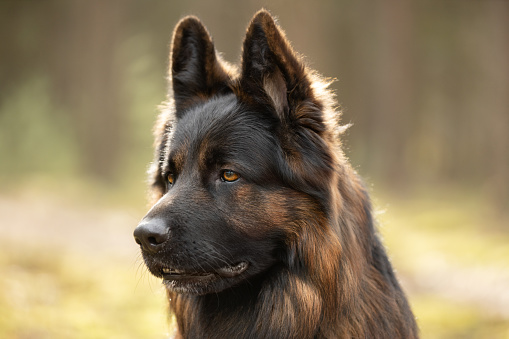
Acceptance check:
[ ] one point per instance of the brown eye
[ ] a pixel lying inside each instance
(229, 175)
(171, 178)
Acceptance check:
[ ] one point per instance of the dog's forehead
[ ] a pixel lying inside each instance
(203, 121)
(218, 130)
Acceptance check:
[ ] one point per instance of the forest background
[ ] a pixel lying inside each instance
(425, 85)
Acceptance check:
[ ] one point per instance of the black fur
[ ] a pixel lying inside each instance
(260, 228)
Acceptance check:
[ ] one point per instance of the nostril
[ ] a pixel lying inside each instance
(151, 234)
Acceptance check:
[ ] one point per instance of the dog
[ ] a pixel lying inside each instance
(260, 227)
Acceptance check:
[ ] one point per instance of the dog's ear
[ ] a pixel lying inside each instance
(196, 71)
(274, 75)
(270, 67)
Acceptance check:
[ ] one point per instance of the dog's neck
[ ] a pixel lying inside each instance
(294, 309)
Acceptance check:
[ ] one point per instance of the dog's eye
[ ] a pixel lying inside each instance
(229, 175)
(170, 178)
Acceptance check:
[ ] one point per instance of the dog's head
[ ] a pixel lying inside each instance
(242, 161)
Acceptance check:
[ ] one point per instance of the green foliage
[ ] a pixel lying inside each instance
(34, 135)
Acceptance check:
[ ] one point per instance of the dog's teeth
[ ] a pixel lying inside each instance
(172, 271)
(231, 271)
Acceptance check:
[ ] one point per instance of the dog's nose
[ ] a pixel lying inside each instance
(151, 234)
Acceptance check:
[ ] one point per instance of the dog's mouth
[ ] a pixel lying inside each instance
(173, 274)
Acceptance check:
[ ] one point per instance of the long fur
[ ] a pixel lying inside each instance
(332, 278)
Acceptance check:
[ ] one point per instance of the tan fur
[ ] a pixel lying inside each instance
(341, 284)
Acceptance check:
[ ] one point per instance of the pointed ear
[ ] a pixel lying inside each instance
(196, 72)
(270, 68)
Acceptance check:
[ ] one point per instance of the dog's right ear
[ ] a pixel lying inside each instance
(196, 71)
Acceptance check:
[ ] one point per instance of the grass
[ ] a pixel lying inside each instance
(439, 317)
(45, 293)
(452, 254)
(452, 251)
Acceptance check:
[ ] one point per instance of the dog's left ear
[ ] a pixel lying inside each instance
(196, 71)
(271, 69)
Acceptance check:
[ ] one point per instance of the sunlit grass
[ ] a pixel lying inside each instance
(451, 250)
(446, 319)
(47, 293)
(434, 243)
(461, 230)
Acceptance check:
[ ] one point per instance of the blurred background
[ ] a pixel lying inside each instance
(424, 83)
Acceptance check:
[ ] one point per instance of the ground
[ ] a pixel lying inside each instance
(73, 270)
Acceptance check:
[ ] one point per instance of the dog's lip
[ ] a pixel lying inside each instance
(225, 272)
(232, 271)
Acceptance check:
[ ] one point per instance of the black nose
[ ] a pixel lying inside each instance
(151, 235)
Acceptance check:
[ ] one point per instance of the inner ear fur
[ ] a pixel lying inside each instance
(196, 72)
(270, 67)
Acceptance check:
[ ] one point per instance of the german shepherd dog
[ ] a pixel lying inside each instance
(260, 227)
